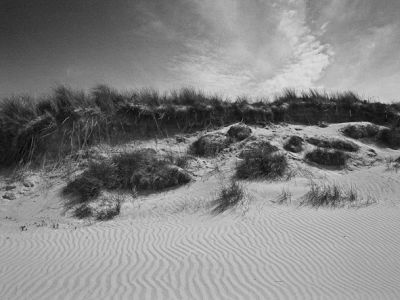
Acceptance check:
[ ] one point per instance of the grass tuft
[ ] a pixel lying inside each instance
(209, 145)
(337, 144)
(294, 144)
(327, 157)
(110, 212)
(140, 170)
(260, 163)
(329, 195)
(228, 197)
(360, 131)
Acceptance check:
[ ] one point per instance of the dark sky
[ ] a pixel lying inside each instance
(232, 47)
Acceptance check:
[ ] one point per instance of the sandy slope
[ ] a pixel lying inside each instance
(169, 246)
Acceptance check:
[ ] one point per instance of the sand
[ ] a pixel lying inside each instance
(169, 246)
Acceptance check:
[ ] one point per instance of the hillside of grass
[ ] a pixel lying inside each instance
(48, 128)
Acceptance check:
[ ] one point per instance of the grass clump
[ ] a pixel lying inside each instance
(140, 170)
(284, 197)
(329, 195)
(389, 137)
(294, 144)
(228, 197)
(261, 163)
(253, 147)
(333, 144)
(84, 188)
(83, 211)
(239, 132)
(360, 131)
(327, 157)
(110, 212)
(210, 144)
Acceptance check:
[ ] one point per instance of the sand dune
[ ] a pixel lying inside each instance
(282, 253)
(169, 246)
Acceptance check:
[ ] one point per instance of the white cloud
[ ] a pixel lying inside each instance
(246, 56)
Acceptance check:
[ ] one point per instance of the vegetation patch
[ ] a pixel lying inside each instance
(359, 131)
(333, 144)
(83, 211)
(284, 197)
(327, 157)
(390, 137)
(109, 212)
(228, 197)
(69, 120)
(261, 163)
(140, 170)
(254, 146)
(294, 144)
(239, 132)
(329, 195)
(210, 144)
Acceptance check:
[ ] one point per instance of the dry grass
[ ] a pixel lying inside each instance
(139, 171)
(285, 197)
(329, 195)
(66, 121)
(361, 131)
(261, 163)
(337, 144)
(228, 197)
(294, 144)
(325, 157)
(210, 144)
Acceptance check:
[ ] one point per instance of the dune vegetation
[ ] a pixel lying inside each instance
(32, 129)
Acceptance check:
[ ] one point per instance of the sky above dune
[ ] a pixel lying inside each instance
(232, 47)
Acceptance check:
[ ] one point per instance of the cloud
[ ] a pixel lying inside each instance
(309, 56)
(241, 54)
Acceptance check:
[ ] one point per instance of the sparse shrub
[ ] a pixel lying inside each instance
(260, 163)
(327, 157)
(390, 137)
(253, 147)
(294, 144)
(182, 161)
(141, 170)
(239, 132)
(360, 131)
(329, 195)
(83, 189)
(228, 197)
(109, 213)
(145, 171)
(210, 144)
(284, 197)
(333, 144)
(83, 211)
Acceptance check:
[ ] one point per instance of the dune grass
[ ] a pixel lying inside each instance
(141, 171)
(337, 144)
(69, 120)
(228, 197)
(294, 144)
(360, 131)
(326, 157)
(210, 144)
(329, 195)
(260, 163)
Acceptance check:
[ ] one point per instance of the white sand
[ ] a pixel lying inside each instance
(169, 246)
